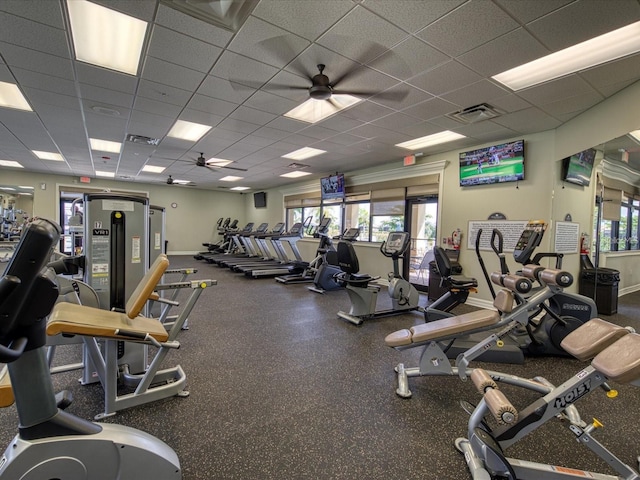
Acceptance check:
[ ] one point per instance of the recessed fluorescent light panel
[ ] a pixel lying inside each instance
(48, 156)
(106, 38)
(26, 186)
(295, 174)
(304, 153)
(8, 189)
(188, 130)
(10, 163)
(181, 182)
(100, 173)
(230, 178)
(430, 140)
(153, 169)
(238, 189)
(313, 110)
(105, 145)
(605, 48)
(636, 135)
(11, 97)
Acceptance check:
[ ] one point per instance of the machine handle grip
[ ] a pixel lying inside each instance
(12, 353)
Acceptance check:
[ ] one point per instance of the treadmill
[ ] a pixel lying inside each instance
(286, 266)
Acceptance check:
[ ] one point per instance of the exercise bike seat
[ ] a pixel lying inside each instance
(347, 260)
(460, 282)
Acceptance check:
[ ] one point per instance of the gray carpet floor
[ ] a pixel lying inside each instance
(281, 388)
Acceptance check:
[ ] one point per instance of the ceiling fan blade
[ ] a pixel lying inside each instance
(372, 51)
(218, 167)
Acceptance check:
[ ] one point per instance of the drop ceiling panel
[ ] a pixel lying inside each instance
(142, 9)
(503, 53)
(171, 74)
(213, 105)
(243, 70)
(223, 89)
(182, 50)
(104, 78)
(590, 17)
(396, 121)
(33, 60)
(19, 31)
(40, 100)
(155, 126)
(484, 91)
(468, 26)
(180, 22)
(627, 68)
(409, 58)
(431, 109)
(270, 103)
(42, 11)
(238, 150)
(163, 93)
(266, 43)
(147, 105)
(367, 111)
(556, 90)
(445, 78)
(239, 126)
(527, 11)
(524, 120)
(104, 96)
(311, 19)
(352, 35)
(28, 78)
(200, 117)
(411, 15)
(574, 104)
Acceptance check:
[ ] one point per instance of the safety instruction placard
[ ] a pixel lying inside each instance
(510, 229)
(566, 237)
(122, 205)
(135, 249)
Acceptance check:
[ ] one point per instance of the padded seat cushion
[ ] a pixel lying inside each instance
(591, 338)
(458, 281)
(621, 361)
(6, 392)
(73, 319)
(446, 327)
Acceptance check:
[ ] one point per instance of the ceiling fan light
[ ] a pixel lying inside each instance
(312, 110)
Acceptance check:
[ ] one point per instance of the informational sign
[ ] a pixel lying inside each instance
(157, 243)
(510, 229)
(135, 249)
(567, 237)
(122, 205)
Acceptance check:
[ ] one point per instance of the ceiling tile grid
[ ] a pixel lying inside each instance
(413, 64)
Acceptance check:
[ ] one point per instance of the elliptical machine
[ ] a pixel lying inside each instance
(553, 320)
(364, 296)
(51, 443)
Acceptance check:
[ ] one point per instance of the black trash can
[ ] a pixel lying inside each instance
(601, 284)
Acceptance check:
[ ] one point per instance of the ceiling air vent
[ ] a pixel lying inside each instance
(143, 140)
(297, 166)
(228, 14)
(474, 114)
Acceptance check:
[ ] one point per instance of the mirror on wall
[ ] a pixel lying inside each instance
(16, 207)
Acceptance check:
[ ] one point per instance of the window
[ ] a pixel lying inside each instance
(334, 212)
(622, 234)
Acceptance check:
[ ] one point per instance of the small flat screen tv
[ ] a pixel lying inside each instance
(578, 167)
(495, 164)
(260, 199)
(332, 187)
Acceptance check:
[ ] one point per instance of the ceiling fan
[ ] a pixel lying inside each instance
(201, 161)
(322, 88)
(171, 181)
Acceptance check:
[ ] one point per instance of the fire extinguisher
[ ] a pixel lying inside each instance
(584, 243)
(456, 237)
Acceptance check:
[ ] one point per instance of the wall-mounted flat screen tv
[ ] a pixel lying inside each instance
(578, 167)
(332, 187)
(260, 199)
(495, 164)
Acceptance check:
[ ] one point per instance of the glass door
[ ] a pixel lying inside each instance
(421, 216)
